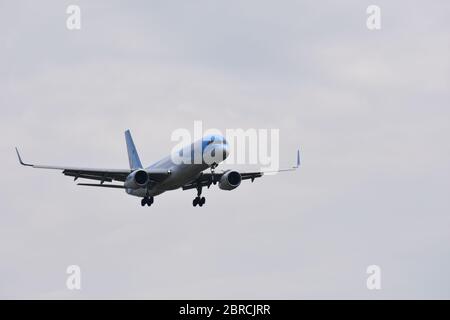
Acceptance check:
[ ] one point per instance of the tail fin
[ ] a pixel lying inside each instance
(133, 157)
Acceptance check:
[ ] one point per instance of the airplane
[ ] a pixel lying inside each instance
(166, 174)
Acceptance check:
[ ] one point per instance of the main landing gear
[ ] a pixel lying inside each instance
(147, 201)
(197, 200)
(200, 201)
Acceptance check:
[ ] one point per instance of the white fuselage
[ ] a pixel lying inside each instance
(186, 171)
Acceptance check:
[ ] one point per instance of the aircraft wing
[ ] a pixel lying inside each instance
(206, 179)
(102, 175)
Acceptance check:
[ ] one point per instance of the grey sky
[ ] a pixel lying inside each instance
(370, 110)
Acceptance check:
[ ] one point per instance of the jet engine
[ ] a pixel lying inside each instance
(230, 180)
(137, 179)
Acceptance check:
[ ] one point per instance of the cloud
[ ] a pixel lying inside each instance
(369, 110)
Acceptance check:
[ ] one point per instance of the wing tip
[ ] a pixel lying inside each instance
(20, 159)
(297, 165)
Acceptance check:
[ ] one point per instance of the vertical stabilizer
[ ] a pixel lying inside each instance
(133, 157)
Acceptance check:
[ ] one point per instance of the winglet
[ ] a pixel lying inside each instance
(298, 159)
(20, 159)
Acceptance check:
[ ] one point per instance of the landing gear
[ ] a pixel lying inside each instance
(200, 201)
(147, 201)
(213, 177)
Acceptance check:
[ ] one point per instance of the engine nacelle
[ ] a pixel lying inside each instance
(230, 180)
(137, 179)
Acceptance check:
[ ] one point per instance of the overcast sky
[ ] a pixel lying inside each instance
(369, 109)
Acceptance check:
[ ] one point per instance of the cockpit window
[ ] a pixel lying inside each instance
(211, 140)
(216, 140)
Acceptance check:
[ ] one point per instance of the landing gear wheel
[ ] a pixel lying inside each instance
(198, 201)
(147, 201)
